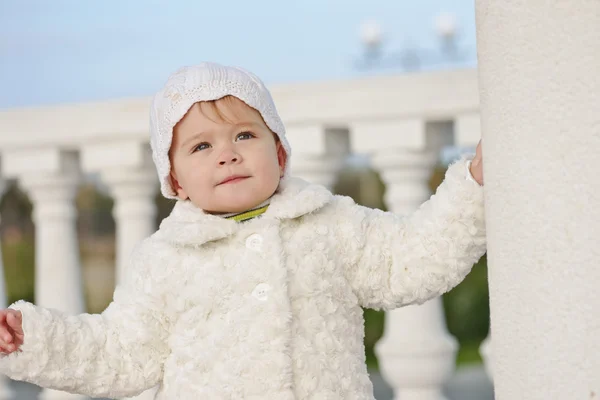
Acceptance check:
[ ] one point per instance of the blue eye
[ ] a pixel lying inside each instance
(244, 136)
(201, 146)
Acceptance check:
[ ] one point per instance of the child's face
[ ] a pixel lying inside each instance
(224, 158)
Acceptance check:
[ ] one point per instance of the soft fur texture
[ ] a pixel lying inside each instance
(193, 318)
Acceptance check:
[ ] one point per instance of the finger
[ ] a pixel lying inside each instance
(4, 347)
(5, 335)
(480, 177)
(8, 348)
(14, 320)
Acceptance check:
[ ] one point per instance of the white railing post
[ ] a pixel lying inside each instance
(131, 178)
(58, 277)
(133, 190)
(317, 169)
(485, 350)
(319, 153)
(127, 170)
(134, 212)
(539, 82)
(416, 353)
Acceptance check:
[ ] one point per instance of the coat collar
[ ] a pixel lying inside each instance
(189, 225)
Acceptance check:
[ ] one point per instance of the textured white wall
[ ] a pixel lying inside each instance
(539, 70)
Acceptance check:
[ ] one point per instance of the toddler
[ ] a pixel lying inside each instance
(252, 287)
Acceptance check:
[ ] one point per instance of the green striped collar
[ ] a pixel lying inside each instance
(247, 215)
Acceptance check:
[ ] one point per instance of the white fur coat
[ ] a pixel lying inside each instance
(266, 309)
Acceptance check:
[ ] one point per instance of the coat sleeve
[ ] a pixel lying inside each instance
(392, 261)
(114, 354)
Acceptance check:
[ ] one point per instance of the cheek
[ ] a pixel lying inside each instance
(194, 174)
(268, 162)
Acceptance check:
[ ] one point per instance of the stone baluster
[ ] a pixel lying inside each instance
(485, 350)
(539, 87)
(317, 169)
(51, 178)
(318, 153)
(127, 170)
(134, 211)
(131, 178)
(416, 353)
(134, 191)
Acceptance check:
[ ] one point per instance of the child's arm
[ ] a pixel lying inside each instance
(114, 354)
(394, 261)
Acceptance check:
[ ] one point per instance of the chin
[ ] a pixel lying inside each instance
(245, 206)
(229, 206)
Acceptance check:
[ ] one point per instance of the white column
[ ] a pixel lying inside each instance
(318, 152)
(539, 70)
(5, 391)
(134, 190)
(322, 170)
(416, 353)
(134, 211)
(58, 280)
(485, 350)
(127, 169)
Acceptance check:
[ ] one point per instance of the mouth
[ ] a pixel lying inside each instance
(233, 179)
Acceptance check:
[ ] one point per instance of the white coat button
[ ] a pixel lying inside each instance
(254, 242)
(261, 291)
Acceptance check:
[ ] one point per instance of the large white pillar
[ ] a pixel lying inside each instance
(539, 70)
(416, 353)
(58, 277)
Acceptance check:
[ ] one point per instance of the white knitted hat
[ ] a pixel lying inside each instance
(204, 82)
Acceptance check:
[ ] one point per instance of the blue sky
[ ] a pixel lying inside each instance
(65, 51)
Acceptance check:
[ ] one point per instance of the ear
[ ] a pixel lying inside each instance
(181, 194)
(281, 158)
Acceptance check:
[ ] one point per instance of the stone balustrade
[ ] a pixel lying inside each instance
(400, 122)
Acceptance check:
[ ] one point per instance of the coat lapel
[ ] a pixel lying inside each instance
(189, 225)
(296, 198)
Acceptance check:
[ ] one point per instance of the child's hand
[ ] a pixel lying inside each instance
(477, 165)
(11, 330)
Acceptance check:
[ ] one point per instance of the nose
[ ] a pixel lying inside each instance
(228, 156)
